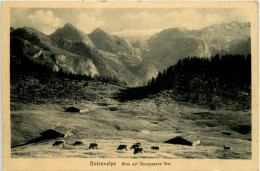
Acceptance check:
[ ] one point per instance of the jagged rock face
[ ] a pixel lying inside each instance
(167, 47)
(100, 53)
(128, 54)
(55, 68)
(242, 47)
(111, 55)
(225, 32)
(71, 33)
(220, 37)
(57, 59)
(170, 45)
(109, 43)
(75, 65)
(38, 54)
(61, 43)
(142, 44)
(107, 64)
(82, 48)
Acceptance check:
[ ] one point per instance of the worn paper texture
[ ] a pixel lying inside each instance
(80, 163)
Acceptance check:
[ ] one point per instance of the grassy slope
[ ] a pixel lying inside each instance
(37, 106)
(150, 121)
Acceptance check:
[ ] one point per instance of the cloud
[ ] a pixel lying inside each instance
(47, 30)
(45, 17)
(238, 14)
(200, 18)
(87, 23)
(45, 21)
(18, 16)
(150, 22)
(192, 18)
(19, 11)
(138, 23)
(142, 16)
(125, 21)
(140, 20)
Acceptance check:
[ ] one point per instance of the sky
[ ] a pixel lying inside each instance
(124, 22)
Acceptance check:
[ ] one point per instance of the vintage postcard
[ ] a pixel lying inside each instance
(130, 86)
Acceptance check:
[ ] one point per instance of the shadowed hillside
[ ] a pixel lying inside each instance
(96, 74)
(214, 81)
(37, 83)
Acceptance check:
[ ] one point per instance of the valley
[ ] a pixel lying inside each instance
(150, 121)
(174, 83)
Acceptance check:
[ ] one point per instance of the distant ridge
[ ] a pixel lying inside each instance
(133, 61)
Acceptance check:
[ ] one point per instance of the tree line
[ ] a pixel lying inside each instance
(225, 72)
(200, 80)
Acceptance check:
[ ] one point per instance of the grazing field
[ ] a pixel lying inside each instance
(181, 92)
(150, 121)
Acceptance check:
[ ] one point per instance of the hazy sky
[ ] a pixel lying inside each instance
(124, 21)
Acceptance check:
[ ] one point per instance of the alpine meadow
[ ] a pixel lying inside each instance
(130, 83)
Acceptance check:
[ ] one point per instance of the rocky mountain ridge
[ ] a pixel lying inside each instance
(177, 43)
(100, 53)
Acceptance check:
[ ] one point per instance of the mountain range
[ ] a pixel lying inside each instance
(99, 53)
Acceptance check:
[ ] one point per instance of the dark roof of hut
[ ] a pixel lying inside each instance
(50, 133)
(72, 109)
(186, 139)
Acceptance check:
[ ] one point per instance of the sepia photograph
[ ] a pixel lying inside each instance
(131, 83)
